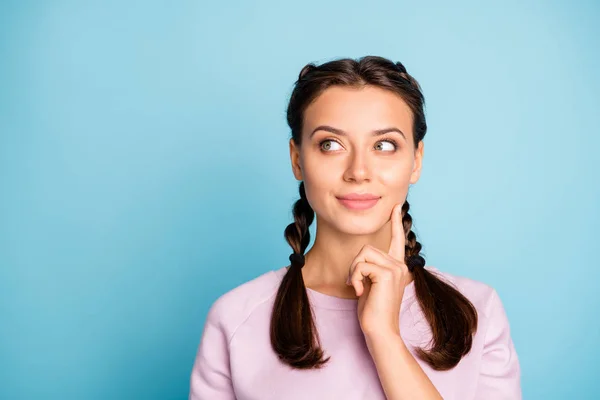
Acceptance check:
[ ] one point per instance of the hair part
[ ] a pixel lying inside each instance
(451, 316)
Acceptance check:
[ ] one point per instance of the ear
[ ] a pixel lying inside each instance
(295, 159)
(416, 172)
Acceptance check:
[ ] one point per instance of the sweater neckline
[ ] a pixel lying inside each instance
(323, 300)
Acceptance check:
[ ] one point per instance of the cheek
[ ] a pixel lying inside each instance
(396, 177)
(321, 173)
(317, 185)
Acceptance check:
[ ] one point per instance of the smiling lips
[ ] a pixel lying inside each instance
(358, 201)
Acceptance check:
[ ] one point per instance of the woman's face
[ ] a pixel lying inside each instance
(341, 154)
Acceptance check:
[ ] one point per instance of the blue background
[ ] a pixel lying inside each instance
(144, 171)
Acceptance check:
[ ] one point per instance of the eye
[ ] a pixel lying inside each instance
(392, 142)
(326, 144)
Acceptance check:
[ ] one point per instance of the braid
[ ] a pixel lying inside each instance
(412, 248)
(294, 335)
(451, 316)
(297, 233)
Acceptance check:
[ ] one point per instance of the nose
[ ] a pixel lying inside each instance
(358, 169)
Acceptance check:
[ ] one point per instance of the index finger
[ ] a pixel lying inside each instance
(398, 235)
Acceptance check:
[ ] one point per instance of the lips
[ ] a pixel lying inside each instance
(358, 201)
(358, 196)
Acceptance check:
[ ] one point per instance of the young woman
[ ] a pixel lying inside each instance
(360, 315)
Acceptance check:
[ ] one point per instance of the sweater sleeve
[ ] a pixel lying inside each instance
(500, 372)
(211, 374)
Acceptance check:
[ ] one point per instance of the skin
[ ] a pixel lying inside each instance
(360, 253)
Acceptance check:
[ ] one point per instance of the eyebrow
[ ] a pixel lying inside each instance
(376, 132)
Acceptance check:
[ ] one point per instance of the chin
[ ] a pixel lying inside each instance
(359, 225)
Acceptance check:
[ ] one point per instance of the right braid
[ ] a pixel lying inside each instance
(297, 233)
(294, 336)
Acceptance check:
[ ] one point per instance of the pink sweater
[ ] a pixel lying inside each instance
(235, 359)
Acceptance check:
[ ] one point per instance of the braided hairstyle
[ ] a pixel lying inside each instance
(451, 316)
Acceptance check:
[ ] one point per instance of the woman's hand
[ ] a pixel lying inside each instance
(379, 279)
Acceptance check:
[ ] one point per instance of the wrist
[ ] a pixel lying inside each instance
(383, 338)
(386, 345)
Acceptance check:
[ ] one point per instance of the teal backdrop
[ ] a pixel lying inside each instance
(144, 171)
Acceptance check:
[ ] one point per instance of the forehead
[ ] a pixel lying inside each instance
(359, 110)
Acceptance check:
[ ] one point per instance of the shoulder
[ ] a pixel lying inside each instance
(499, 371)
(233, 307)
(483, 296)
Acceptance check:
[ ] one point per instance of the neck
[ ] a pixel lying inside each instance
(328, 260)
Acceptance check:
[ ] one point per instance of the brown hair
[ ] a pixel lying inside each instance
(451, 316)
